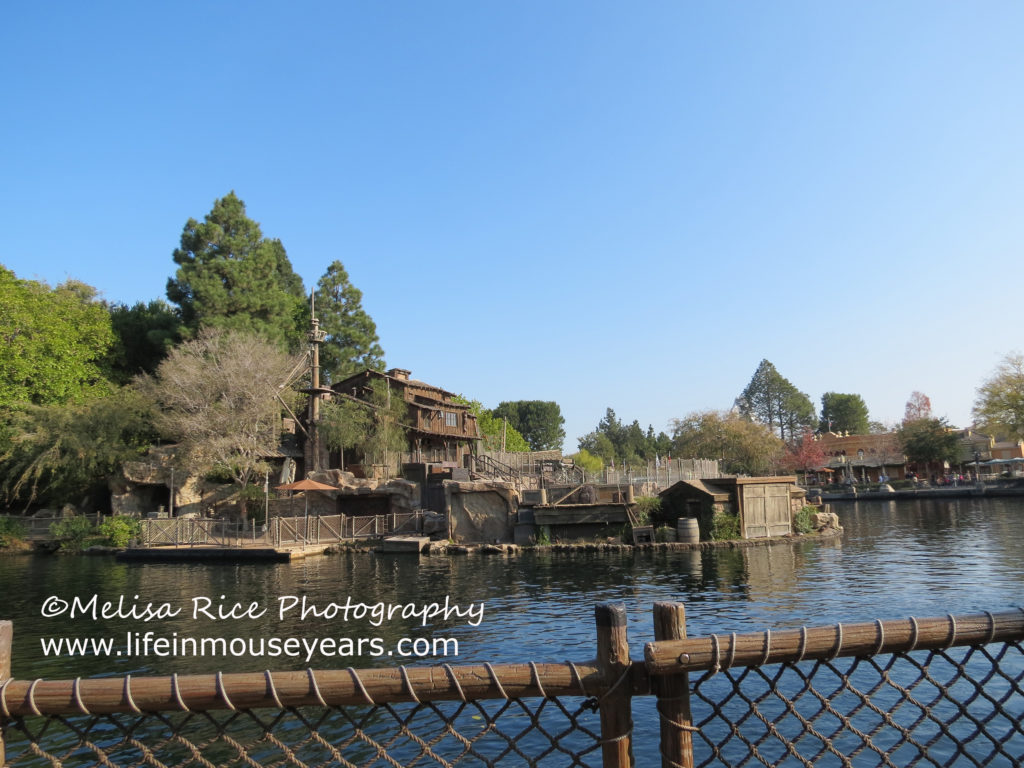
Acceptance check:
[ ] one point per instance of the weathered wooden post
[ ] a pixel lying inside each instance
(673, 693)
(6, 635)
(613, 661)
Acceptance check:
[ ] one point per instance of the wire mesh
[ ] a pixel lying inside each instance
(554, 731)
(959, 706)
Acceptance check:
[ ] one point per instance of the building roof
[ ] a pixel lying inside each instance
(702, 486)
(399, 377)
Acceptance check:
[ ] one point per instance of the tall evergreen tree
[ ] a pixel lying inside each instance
(351, 344)
(771, 399)
(143, 336)
(229, 276)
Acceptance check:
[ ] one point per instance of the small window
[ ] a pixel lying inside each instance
(451, 419)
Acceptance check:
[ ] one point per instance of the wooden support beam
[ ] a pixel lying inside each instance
(615, 708)
(565, 496)
(6, 638)
(673, 693)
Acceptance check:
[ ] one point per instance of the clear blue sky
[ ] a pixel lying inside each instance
(621, 205)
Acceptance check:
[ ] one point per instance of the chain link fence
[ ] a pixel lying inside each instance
(938, 692)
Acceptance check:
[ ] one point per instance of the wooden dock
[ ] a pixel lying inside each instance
(208, 552)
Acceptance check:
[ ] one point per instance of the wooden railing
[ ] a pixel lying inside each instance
(938, 691)
(37, 528)
(281, 532)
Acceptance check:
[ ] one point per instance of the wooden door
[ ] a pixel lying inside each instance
(766, 510)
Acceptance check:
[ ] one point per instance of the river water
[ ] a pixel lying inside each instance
(896, 559)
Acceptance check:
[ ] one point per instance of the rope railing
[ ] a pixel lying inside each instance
(242, 690)
(938, 691)
(716, 652)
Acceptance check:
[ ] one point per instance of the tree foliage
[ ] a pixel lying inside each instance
(217, 398)
(588, 461)
(805, 454)
(628, 444)
(741, 445)
(67, 452)
(844, 413)
(918, 407)
(351, 343)
(540, 422)
(999, 406)
(55, 341)
(229, 276)
(771, 399)
(344, 424)
(386, 435)
(597, 443)
(143, 335)
(929, 440)
(495, 431)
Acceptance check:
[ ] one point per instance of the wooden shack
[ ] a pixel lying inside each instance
(440, 430)
(763, 505)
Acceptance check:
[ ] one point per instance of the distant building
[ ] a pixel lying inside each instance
(989, 455)
(864, 458)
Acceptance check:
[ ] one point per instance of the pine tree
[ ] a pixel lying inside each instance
(351, 344)
(771, 399)
(229, 276)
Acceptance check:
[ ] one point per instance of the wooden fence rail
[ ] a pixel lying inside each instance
(672, 657)
(281, 531)
(973, 718)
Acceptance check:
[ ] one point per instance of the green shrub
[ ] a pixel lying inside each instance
(120, 530)
(73, 533)
(254, 503)
(543, 536)
(646, 508)
(11, 531)
(724, 527)
(220, 474)
(802, 520)
(664, 533)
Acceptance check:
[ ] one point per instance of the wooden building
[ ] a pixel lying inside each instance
(863, 458)
(764, 505)
(439, 430)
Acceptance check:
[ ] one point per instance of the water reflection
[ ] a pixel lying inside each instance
(896, 559)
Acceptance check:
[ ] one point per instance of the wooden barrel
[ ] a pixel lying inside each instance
(687, 530)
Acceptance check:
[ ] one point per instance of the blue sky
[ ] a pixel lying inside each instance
(621, 205)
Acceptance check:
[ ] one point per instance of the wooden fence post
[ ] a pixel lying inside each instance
(6, 635)
(613, 661)
(673, 693)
